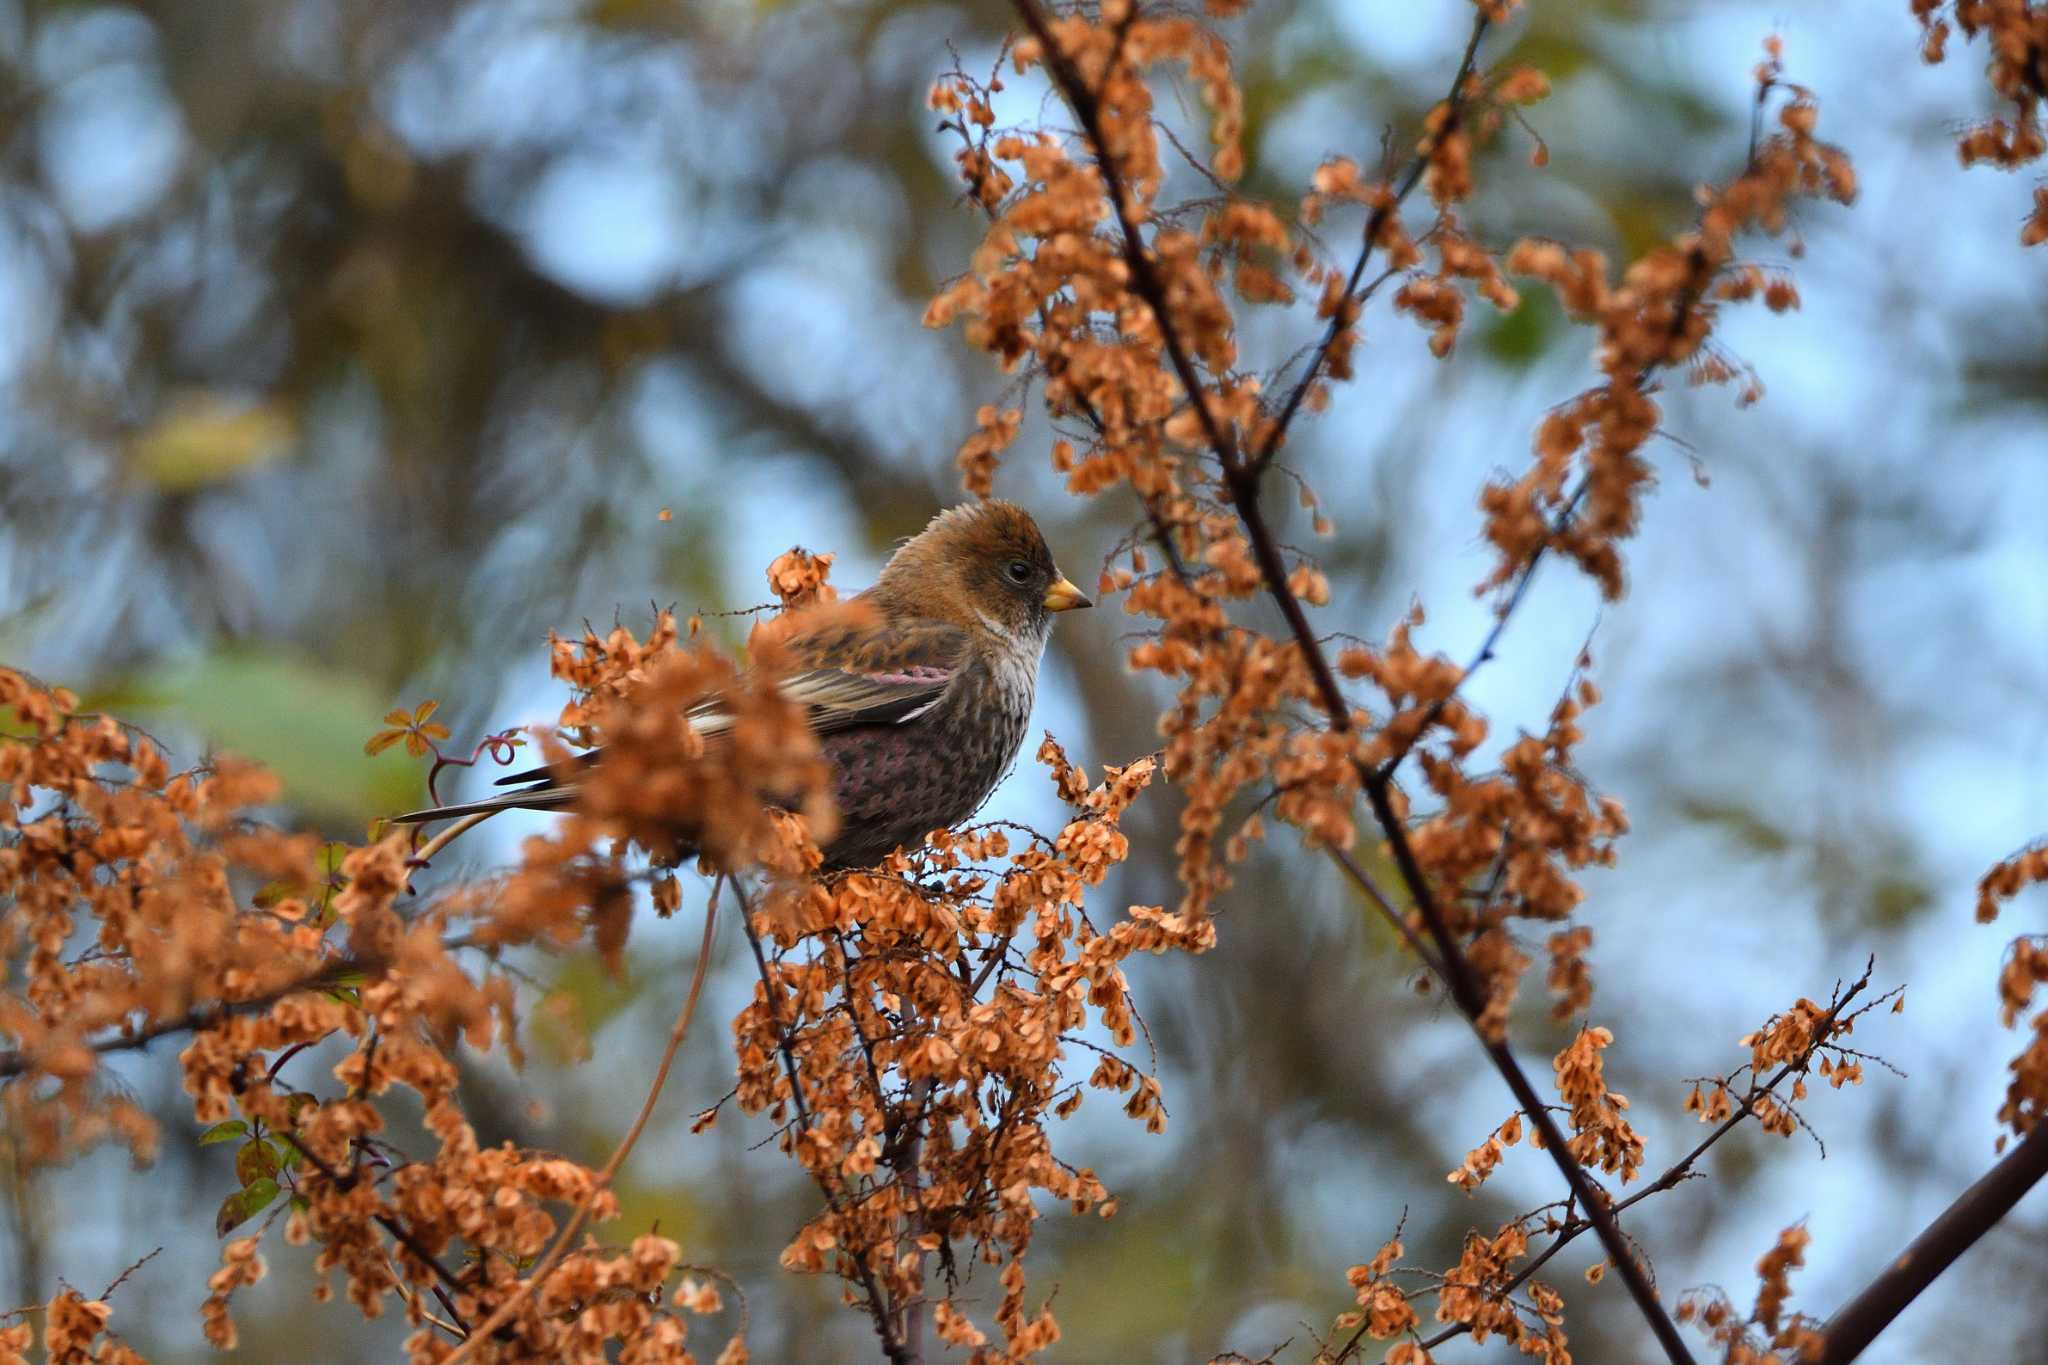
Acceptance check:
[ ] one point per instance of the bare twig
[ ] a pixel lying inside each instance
(448, 836)
(1484, 654)
(122, 1278)
(1388, 910)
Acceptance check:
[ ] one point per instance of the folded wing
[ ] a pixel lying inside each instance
(852, 677)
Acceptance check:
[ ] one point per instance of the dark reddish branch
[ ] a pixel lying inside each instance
(1958, 1228)
(1241, 481)
(1144, 279)
(400, 1233)
(1465, 991)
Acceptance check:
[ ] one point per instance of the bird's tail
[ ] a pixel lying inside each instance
(533, 798)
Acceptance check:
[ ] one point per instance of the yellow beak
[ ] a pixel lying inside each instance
(1064, 596)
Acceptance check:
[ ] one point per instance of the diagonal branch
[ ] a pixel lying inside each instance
(1345, 316)
(1959, 1227)
(331, 974)
(1144, 278)
(400, 1233)
(1681, 1169)
(1241, 481)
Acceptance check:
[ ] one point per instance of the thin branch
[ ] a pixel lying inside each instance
(122, 1278)
(1388, 911)
(448, 836)
(1162, 532)
(1485, 653)
(1960, 1226)
(413, 1302)
(504, 1311)
(1345, 315)
(18, 1063)
(1144, 279)
(1471, 1000)
(885, 1313)
(1681, 1169)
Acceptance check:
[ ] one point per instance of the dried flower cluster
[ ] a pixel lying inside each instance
(121, 906)
(74, 1331)
(1582, 496)
(1070, 279)
(1779, 1338)
(1477, 1296)
(1492, 1289)
(1117, 304)
(911, 1032)
(2016, 34)
(196, 919)
(916, 1026)
(914, 1057)
(2025, 971)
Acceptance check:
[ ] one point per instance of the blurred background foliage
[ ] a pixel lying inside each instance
(349, 346)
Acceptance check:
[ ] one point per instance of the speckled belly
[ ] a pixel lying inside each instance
(894, 784)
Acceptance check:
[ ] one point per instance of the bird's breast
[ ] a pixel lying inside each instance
(895, 783)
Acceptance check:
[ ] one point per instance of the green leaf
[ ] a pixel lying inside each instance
(270, 893)
(255, 1161)
(224, 1132)
(244, 1204)
(302, 721)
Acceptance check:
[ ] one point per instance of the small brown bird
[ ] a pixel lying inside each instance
(921, 712)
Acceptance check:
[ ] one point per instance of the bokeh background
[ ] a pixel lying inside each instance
(349, 346)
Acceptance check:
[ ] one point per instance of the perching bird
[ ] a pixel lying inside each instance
(920, 712)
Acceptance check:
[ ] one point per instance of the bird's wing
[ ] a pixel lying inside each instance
(872, 676)
(852, 675)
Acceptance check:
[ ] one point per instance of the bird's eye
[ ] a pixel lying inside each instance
(1018, 570)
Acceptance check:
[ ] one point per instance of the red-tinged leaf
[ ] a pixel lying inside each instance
(426, 709)
(255, 1161)
(381, 741)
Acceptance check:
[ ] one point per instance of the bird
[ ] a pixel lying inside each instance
(920, 704)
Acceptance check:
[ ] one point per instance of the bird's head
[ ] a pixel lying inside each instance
(982, 566)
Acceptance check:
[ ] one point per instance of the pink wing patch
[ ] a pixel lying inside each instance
(912, 676)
